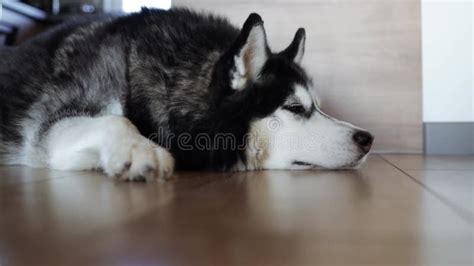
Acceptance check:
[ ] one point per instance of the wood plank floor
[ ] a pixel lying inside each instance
(396, 210)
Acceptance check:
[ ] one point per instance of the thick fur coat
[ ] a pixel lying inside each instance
(164, 74)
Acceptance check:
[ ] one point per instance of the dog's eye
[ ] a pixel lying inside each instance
(295, 108)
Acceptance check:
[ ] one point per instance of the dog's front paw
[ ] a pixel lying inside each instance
(137, 160)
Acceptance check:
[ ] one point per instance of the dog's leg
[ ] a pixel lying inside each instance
(111, 143)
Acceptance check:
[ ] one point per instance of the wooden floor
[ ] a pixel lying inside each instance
(396, 210)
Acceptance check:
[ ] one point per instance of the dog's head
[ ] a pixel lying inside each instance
(287, 129)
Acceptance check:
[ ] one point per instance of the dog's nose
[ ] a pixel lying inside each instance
(364, 140)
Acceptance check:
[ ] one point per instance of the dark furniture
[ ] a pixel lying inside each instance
(20, 21)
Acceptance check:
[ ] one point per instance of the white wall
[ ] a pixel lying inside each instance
(136, 5)
(448, 91)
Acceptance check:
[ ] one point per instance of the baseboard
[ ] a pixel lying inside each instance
(456, 138)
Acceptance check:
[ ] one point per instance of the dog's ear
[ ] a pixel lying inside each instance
(295, 51)
(250, 52)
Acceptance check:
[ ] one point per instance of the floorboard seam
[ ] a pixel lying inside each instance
(459, 211)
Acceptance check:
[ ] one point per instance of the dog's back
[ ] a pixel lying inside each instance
(86, 65)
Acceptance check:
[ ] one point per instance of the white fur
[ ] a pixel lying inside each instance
(239, 77)
(111, 143)
(299, 55)
(249, 70)
(114, 108)
(303, 96)
(277, 141)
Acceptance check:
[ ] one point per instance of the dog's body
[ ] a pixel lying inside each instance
(91, 94)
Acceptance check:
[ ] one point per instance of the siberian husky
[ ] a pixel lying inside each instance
(140, 95)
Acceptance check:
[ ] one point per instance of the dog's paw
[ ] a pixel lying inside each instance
(137, 160)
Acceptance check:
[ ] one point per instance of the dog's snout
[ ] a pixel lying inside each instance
(363, 139)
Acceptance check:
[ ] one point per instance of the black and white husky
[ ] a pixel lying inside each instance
(138, 95)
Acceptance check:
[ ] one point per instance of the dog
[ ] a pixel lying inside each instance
(137, 96)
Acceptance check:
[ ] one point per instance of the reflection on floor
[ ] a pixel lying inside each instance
(396, 210)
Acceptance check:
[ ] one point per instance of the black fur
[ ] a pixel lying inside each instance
(170, 70)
